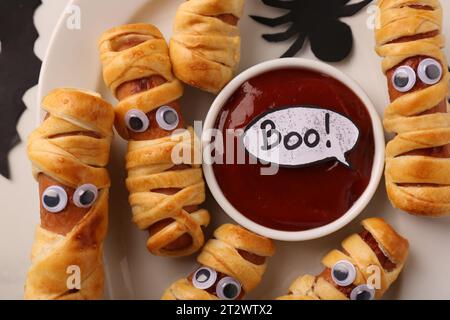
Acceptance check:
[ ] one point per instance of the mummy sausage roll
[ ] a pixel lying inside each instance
(366, 267)
(69, 152)
(164, 194)
(418, 159)
(231, 265)
(205, 47)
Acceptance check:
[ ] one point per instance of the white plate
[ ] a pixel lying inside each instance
(132, 273)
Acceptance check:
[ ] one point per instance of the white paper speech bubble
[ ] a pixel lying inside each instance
(299, 136)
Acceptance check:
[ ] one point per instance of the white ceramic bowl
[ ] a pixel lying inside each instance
(378, 164)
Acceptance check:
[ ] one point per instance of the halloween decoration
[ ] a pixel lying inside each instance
(69, 152)
(370, 262)
(411, 42)
(298, 192)
(19, 69)
(232, 264)
(331, 39)
(205, 48)
(300, 136)
(164, 194)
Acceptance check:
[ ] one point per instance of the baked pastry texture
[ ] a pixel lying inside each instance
(69, 152)
(205, 47)
(165, 179)
(411, 43)
(232, 265)
(365, 269)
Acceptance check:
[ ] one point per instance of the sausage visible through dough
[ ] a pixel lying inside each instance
(63, 222)
(228, 18)
(438, 152)
(385, 262)
(154, 132)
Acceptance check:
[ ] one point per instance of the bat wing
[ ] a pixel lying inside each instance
(19, 69)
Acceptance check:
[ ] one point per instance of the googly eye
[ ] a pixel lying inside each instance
(85, 196)
(343, 273)
(430, 71)
(228, 289)
(404, 79)
(54, 199)
(204, 278)
(363, 292)
(137, 121)
(167, 118)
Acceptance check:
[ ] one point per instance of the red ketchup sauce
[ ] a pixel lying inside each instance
(295, 199)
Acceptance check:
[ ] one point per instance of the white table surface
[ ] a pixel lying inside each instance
(15, 253)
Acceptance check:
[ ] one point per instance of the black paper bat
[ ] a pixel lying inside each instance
(331, 39)
(19, 69)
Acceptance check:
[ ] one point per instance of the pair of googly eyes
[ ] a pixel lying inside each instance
(343, 274)
(166, 117)
(429, 72)
(227, 288)
(55, 199)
